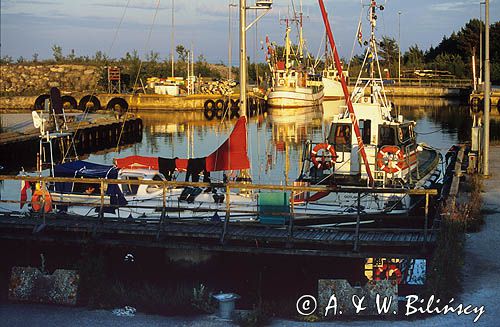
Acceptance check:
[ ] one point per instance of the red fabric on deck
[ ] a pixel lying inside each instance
(181, 164)
(137, 162)
(232, 154)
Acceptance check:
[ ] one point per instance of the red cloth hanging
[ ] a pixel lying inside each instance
(232, 154)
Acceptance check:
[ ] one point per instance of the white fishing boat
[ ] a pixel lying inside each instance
(293, 85)
(332, 88)
(368, 146)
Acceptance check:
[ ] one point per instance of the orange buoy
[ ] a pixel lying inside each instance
(314, 155)
(41, 198)
(390, 159)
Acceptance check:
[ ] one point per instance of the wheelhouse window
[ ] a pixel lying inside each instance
(365, 127)
(386, 136)
(340, 137)
(405, 134)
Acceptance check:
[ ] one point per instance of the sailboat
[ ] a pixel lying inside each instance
(136, 198)
(293, 86)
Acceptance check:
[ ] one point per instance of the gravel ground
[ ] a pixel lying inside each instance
(481, 287)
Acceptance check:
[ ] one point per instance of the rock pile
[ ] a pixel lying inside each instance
(36, 79)
(220, 87)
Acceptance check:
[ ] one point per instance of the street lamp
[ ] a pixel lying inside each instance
(259, 4)
(481, 42)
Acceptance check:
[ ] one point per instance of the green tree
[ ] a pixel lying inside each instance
(182, 52)
(414, 58)
(57, 53)
(389, 53)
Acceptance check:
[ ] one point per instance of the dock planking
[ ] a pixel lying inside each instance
(239, 237)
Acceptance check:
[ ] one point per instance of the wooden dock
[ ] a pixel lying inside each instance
(356, 240)
(212, 236)
(20, 148)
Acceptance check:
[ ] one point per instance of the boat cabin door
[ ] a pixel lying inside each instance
(346, 148)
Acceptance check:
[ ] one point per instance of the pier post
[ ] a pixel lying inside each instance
(226, 219)
(358, 219)
(426, 221)
(292, 216)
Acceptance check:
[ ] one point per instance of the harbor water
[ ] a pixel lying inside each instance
(275, 143)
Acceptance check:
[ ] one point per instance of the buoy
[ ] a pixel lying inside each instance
(41, 199)
(324, 164)
(393, 156)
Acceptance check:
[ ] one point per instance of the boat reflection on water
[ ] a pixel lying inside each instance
(292, 130)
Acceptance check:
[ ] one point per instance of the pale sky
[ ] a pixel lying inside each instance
(33, 26)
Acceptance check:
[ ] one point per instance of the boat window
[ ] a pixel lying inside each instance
(387, 136)
(365, 127)
(405, 133)
(87, 188)
(281, 75)
(341, 137)
(130, 189)
(154, 188)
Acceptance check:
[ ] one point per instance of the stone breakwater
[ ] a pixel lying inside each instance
(38, 79)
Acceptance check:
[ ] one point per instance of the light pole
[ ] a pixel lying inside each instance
(230, 43)
(399, 48)
(172, 40)
(487, 88)
(259, 4)
(480, 43)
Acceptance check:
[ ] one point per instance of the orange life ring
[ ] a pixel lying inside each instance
(388, 272)
(41, 197)
(390, 159)
(314, 154)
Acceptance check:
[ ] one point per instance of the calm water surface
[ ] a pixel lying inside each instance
(272, 141)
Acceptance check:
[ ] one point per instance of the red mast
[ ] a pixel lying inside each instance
(346, 91)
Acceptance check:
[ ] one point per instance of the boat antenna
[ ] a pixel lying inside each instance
(346, 92)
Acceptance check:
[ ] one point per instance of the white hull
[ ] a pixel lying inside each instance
(332, 90)
(286, 97)
(244, 208)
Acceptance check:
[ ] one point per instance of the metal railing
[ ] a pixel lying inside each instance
(295, 190)
(424, 82)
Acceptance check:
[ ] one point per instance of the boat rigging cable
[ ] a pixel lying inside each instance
(86, 111)
(346, 92)
(146, 46)
(356, 37)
